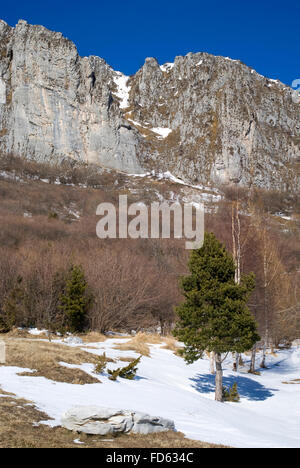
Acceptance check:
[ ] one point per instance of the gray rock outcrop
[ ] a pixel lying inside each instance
(206, 119)
(102, 421)
(228, 123)
(59, 105)
(145, 424)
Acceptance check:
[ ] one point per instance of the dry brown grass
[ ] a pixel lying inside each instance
(93, 337)
(20, 430)
(44, 357)
(3, 392)
(23, 333)
(292, 382)
(90, 337)
(126, 359)
(140, 343)
(171, 344)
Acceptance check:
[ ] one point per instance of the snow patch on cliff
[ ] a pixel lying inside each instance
(163, 132)
(167, 67)
(122, 89)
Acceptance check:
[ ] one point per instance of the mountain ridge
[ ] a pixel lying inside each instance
(205, 118)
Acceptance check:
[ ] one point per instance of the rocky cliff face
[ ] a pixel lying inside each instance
(204, 118)
(58, 104)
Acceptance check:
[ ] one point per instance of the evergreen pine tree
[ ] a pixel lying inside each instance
(127, 372)
(76, 300)
(214, 316)
(101, 364)
(231, 394)
(56, 320)
(13, 307)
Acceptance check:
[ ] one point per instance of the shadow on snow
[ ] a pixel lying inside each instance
(281, 367)
(247, 388)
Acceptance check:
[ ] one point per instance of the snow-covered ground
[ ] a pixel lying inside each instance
(267, 416)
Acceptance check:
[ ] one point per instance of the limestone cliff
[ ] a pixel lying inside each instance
(58, 104)
(206, 119)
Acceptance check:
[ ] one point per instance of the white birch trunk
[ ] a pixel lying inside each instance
(252, 363)
(219, 378)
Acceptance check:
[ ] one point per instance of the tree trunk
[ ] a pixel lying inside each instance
(219, 378)
(237, 361)
(266, 340)
(162, 327)
(233, 362)
(252, 363)
(212, 362)
(263, 361)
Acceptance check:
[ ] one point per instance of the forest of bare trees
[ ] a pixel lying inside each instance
(135, 282)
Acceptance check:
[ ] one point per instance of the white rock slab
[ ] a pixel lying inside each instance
(102, 421)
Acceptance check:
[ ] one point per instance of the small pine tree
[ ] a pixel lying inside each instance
(76, 300)
(101, 364)
(56, 320)
(214, 316)
(231, 393)
(127, 372)
(13, 307)
(234, 394)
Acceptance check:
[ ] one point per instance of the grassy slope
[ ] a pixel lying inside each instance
(20, 429)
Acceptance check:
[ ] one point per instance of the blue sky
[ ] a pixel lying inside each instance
(263, 34)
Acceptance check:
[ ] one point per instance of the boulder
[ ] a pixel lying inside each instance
(103, 421)
(146, 424)
(97, 420)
